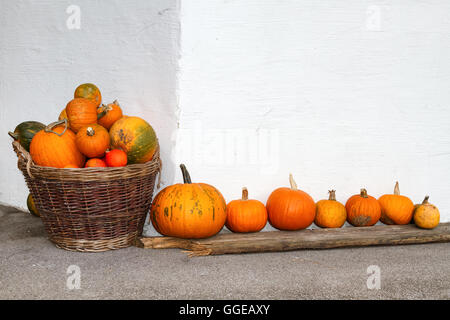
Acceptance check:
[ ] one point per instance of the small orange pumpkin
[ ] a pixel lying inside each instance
(116, 158)
(362, 210)
(189, 210)
(81, 112)
(395, 208)
(290, 208)
(93, 141)
(55, 147)
(95, 163)
(246, 215)
(89, 91)
(330, 213)
(426, 215)
(108, 114)
(63, 115)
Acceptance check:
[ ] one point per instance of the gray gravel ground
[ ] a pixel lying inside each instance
(31, 267)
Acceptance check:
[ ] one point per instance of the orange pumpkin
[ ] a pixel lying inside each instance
(395, 208)
(89, 91)
(189, 210)
(95, 163)
(55, 147)
(81, 112)
(426, 215)
(246, 215)
(93, 141)
(116, 158)
(362, 210)
(63, 115)
(290, 208)
(109, 114)
(134, 136)
(330, 213)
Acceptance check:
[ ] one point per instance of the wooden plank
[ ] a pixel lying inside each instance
(303, 239)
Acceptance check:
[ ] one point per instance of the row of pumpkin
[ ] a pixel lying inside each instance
(88, 134)
(198, 210)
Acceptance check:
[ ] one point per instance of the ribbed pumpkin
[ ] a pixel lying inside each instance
(25, 132)
(81, 112)
(426, 215)
(246, 215)
(93, 141)
(330, 213)
(395, 208)
(189, 210)
(55, 147)
(362, 210)
(63, 115)
(134, 136)
(89, 91)
(32, 207)
(290, 208)
(108, 114)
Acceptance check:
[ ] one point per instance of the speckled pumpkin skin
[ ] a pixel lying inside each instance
(426, 215)
(194, 210)
(32, 207)
(89, 91)
(134, 136)
(330, 214)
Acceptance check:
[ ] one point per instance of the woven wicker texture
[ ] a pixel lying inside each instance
(91, 209)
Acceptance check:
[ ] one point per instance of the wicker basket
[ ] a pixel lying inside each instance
(91, 209)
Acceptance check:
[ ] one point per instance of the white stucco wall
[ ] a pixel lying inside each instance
(343, 94)
(125, 47)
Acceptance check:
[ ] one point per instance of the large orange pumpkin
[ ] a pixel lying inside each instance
(55, 147)
(189, 210)
(81, 112)
(330, 213)
(134, 136)
(290, 208)
(89, 91)
(93, 141)
(395, 208)
(108, 114)
(363, 210)
(246, 215)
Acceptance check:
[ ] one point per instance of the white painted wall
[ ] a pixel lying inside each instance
(354, 94)
(343, 94)
(125, 47)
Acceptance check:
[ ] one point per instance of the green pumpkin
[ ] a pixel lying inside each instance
(25, 131)
(32, 207)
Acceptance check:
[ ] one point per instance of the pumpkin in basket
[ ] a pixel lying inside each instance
(109, 114)
(81, 112)
(189, 210)
(55, 146)
(134, 136)
(363, 210)
(89, 91)
(290, 208)
(93, 140)
(395, 208)
(25, 132)
(246, 215)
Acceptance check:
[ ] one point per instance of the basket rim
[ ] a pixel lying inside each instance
(28, 167)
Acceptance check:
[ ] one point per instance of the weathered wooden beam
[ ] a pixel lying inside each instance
(304, 239)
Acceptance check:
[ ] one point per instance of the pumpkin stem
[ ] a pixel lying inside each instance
(186, 176)
(90, 131)
(292, 182)
(396, 189)
(55, 124)
(244, 193)
(332, 195)
(14, 135)
(116, 103)
(363, 193)
(425, 201)
(103, 113)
